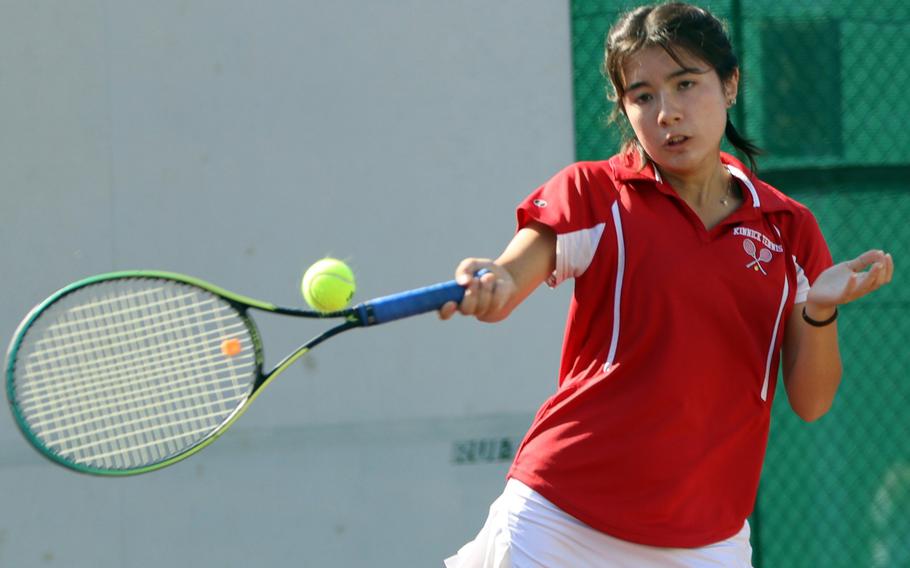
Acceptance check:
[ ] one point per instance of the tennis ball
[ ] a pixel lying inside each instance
(328, 285)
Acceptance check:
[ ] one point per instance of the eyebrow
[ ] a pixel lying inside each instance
(677, 73)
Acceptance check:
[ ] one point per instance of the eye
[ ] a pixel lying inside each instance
(642, 98)
(686, 84)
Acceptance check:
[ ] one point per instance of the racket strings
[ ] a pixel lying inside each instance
(53, 395)
(108, 372)
(108, 402)
(127, 373)
(61, 346)
(139, 410)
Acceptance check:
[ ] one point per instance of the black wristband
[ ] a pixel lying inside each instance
(817, 323)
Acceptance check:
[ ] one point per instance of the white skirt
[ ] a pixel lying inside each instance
(524, 530)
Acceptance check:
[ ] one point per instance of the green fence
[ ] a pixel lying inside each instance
(826, 92)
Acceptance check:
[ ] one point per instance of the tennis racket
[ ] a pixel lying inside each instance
(129, 372)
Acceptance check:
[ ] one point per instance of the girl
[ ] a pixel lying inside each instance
(694, 282)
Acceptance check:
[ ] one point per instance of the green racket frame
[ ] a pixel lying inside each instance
(380, 310)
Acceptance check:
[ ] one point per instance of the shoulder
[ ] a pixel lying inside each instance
(771, 200)
(793, 220)
(579, 184)
(588, 173)
(779, 201)
(579, 196)
(800, 230)
(604, 176)
(794, 223)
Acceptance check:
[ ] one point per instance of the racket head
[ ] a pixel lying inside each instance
(129, 372)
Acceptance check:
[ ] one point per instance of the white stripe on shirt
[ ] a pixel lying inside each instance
(574, 253)
(617, 293)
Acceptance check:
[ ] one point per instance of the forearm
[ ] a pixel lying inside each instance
(529, 261)
(812, 372)
(526, 262)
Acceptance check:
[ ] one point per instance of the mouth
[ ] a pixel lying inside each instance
(675, 140)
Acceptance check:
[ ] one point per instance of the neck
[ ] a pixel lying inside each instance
(700, 188)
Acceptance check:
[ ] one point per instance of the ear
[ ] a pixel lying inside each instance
(731, 87)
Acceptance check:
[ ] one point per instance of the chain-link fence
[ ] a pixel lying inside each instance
(826, 92)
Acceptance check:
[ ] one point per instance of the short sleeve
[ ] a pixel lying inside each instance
(810, 253)
(575, 204)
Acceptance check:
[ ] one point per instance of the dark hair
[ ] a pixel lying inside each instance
(673, 26)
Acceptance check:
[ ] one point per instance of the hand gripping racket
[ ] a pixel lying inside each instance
(129, 372)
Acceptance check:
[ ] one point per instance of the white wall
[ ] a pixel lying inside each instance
(239, 142)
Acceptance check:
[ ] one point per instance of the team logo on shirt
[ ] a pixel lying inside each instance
(758, 257)
(540, 202)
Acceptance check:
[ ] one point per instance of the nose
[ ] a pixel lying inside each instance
(670, 112)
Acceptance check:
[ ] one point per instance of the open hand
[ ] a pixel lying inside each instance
(849, 280)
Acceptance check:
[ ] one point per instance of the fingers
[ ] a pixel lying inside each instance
(486, 295)
(478, 295)
(447, 310)
(864, 260)
(880, 272)
(852, 279)
(464, 275)
(862, 283)
(889, 268)
(464, 272)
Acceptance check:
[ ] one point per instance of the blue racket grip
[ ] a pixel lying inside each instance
(411, 303)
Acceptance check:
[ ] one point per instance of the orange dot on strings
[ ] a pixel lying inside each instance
(231, 347)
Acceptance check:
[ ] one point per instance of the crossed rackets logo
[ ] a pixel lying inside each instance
(764, 255)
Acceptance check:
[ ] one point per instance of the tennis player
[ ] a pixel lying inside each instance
(694, 281)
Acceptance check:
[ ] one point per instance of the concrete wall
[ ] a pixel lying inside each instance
(239, 142)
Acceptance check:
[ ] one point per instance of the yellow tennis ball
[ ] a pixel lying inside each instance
(328, 285)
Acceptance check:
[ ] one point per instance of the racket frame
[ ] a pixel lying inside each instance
(352, 316)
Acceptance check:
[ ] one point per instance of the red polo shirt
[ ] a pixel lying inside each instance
(657, 431)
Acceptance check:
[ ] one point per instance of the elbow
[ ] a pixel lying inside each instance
(813, 413)
(812, 407)
(812, 395)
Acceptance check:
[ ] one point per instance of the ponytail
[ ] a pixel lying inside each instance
(741, 143)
